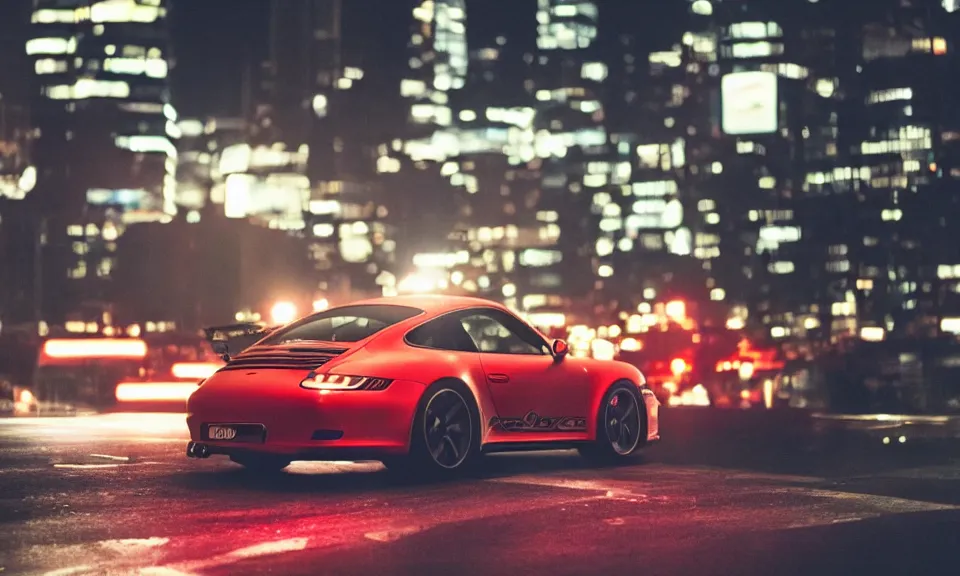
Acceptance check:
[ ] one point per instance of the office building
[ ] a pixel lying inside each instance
(106, 154)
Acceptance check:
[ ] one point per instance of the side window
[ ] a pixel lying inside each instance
(444, 333)
(495, 332)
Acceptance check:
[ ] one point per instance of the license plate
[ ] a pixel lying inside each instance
(221, 432)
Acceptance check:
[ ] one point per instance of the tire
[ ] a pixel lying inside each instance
(263, 464)
(445, 439)
(621, 428)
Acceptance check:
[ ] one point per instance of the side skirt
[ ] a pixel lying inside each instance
(499, 447)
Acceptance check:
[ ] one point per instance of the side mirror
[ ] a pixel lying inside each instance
(560, 349)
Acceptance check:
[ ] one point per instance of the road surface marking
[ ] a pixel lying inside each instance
(101, 466)
(74, 437)
(887, 504)
(130, 545)
(570, 484)
(155, 440)
(392, 535)
(108, 457)
(554, 480)
(69, 571)
(923, 473)
(255, 551)
(291, 545)
(869, 506)
(773, 477)
(98, 554)
(904, 418)
(352, 529)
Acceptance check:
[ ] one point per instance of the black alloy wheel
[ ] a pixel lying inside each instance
(622, 421)
(621, 426)
(448, 428)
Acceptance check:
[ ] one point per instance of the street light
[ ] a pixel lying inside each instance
(676, 310)
(283, 312)
(421, 283)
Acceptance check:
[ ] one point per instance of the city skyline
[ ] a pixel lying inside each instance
(787, 167)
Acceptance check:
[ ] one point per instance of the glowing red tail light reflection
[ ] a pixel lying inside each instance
(154, 391)
(678, 366)
(95, 348)
(195, 370)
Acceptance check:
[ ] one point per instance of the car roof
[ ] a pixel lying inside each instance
(432, 304)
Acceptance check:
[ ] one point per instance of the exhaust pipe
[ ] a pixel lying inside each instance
(197, 450)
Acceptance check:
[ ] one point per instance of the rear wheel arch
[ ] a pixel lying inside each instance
(469, 394)
(419, 460)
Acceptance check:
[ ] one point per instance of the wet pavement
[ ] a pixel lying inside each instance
(725, 493)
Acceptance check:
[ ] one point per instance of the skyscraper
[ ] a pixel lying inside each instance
(435, 69)
(902, 227)
(820, 170)
(761, 91)
(309, 163)
(106, 155)
(438, 60)
(735, 114)
(660, 235)
(473, 92)
(17, 239)
(570, 138)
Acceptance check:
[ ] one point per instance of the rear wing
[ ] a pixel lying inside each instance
(235, 338)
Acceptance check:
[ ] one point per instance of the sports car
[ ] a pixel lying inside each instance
(421, 383)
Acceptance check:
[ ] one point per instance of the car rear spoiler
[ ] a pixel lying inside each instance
(235, 338)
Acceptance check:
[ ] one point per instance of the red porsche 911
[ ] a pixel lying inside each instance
(424, 384)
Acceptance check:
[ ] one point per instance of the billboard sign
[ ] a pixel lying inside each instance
(749, 103)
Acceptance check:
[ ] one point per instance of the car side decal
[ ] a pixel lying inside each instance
(533, 422)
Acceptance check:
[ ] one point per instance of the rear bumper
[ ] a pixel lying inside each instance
(311, 424)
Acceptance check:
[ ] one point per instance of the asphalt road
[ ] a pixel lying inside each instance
(732, 493)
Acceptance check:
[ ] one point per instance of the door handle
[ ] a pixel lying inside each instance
(499, 378)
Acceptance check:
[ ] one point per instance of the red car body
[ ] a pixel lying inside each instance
(301, 399)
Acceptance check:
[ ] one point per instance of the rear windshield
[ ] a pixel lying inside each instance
(345, 324)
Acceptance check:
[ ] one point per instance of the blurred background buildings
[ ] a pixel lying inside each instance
(786, 169)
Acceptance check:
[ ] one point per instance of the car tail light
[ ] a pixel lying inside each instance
(338, 382)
